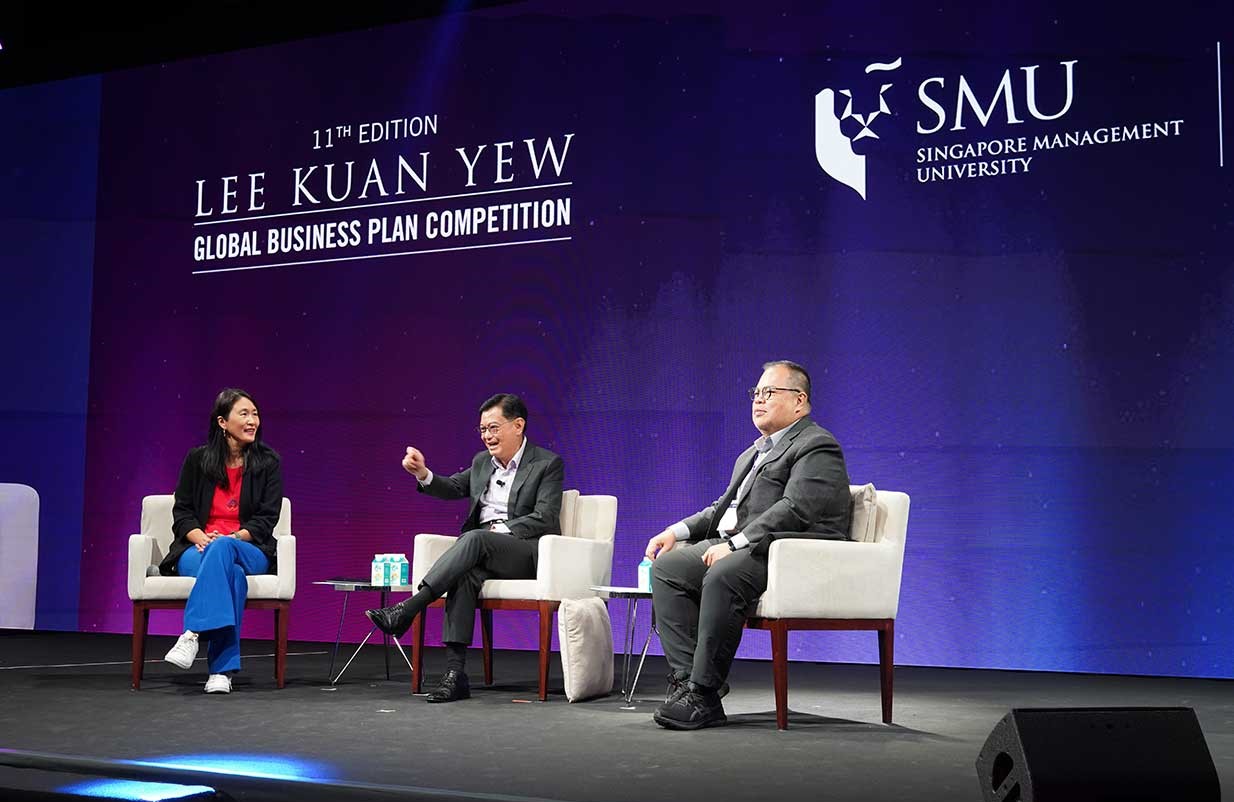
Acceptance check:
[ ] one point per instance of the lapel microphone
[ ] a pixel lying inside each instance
(501, 483)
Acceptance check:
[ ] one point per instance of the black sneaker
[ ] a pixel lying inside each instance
(692, 710)
(677, 685)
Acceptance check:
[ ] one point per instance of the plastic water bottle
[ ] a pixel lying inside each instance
(644, 574)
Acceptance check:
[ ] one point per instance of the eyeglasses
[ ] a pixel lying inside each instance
(765, 393)
(492, 428)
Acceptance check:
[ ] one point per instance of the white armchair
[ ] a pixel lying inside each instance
(836, 585)
(568, 565)
(151, 591)
(19, 555)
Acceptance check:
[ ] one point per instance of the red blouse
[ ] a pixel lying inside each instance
(225, 508)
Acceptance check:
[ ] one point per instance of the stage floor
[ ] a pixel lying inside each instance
(69, 693)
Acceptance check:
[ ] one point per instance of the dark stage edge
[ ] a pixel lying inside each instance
(370, 732)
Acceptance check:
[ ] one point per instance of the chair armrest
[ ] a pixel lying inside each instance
(285, 555)
(832, 579)
(426, 550)
(569, 566)
(142, 554)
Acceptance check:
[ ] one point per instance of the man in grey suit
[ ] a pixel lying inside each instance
(710, 568)
(515, 493)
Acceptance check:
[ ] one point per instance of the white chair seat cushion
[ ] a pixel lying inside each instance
(586, 637)
(831, 579)
(509, 589)
(262, 586)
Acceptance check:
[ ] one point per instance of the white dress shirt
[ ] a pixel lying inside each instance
(729, 519)
(495, 500)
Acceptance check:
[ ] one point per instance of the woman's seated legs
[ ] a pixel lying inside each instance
(216, 603)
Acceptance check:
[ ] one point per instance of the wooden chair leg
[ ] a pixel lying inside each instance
(486, 644)
(141, 620)
(779, 668)
(281, 614)
(886, 666)
(546, 645)
(417, 651)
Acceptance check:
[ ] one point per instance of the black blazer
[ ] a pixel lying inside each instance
(800, 490)
(261, 503)
(535, 494)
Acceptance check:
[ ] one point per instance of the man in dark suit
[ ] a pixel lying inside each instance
(711, 568)
(515, 493)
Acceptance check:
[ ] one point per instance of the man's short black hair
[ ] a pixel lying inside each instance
(797, 372)
(511, 406)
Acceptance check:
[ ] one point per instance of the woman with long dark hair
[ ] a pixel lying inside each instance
(228, 500)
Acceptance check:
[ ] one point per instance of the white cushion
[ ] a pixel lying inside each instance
(586, 637)
(865, 514)
(509, 589)
(19, 555)
(261, 586)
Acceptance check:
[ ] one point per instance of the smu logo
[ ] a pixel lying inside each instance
(834, 149)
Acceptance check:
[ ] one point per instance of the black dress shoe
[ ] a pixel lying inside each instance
(454, 686)
(394, 620)
(692, 710)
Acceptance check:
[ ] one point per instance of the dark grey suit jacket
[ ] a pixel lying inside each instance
(535, 495)
(800, 490)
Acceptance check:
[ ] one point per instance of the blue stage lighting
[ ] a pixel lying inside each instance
(245, 765)
(132, 789)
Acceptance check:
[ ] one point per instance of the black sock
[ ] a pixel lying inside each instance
(456, 656)
(420, 601)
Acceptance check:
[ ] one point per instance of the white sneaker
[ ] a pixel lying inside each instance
(218, 683)
(184, 652)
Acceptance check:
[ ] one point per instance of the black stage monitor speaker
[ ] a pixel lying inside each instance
(1098, 753)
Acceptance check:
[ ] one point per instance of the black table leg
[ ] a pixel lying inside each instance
(338, 634)
(384, 637)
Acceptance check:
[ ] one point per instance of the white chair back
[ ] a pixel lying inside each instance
(891, 526)
(595, 518)
(569, 503)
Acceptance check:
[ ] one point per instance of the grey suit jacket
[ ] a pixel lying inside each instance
(799, 490)
(535, 494)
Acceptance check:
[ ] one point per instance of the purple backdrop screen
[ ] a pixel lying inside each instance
(1000, 242)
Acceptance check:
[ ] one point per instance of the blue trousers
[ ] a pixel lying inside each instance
(216, 602)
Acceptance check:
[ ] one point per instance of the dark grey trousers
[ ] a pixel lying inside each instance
(477, 555)
(701, 611)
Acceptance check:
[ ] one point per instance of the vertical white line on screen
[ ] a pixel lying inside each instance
(1220, 120)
